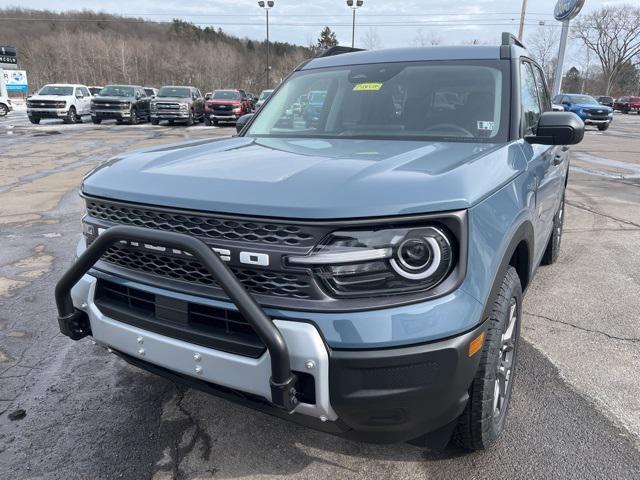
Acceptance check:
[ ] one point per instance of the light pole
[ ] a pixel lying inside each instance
(267, 6)
(523, 13)
(354, 6)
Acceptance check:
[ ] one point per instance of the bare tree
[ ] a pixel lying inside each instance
(543, 46)
(613, 34)
(371, 40)
(426, 39)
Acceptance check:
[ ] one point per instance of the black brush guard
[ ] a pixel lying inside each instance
(74, 323)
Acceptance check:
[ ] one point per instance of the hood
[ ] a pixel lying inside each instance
(309, 178)
(172, 99)
(105, 98)
(59, 98)
(577, 106)
(221, 101)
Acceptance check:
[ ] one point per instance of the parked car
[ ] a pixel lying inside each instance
(150, 91)
(178, 104)
(226, 106)
(364, 277)
(314, 107)
(605, 100)
(587, 108)
(124, 103)
(94, 90)
(5, 106)
(68, 102)
(627, 104)
(264, 95)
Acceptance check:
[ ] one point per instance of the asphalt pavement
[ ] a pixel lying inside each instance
(88, 415)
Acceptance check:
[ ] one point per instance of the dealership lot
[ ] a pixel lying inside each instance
(576, 410)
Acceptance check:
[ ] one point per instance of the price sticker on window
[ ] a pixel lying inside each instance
(367, 87)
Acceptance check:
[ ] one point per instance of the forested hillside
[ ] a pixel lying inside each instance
(97, 49)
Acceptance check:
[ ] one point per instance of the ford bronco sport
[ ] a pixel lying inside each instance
(363, 275)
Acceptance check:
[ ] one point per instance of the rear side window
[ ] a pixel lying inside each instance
(530, 100)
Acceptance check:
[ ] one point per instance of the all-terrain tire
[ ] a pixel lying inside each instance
(481, 423)
(4, 110)
(603, 128)
(552, 252)
(34, 120)
(155, 121)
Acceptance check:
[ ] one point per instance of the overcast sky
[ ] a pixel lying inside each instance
(395, 23)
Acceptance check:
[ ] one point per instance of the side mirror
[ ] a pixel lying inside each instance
(558, 128)
(242, 121)
(79, 95)
(138, 95)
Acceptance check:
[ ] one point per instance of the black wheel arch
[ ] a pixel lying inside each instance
(519, 255)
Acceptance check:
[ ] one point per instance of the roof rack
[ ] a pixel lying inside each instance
(338, 50)
(510, 39)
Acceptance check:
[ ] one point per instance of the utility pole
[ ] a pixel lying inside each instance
(523, 13)
(267, 5)
(354, 5)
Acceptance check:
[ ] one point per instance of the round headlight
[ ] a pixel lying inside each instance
(420, 257)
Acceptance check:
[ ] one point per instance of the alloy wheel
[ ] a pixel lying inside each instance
(504, 370)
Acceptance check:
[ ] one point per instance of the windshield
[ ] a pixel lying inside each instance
(225, 95)
(149, 92)
(179, 92)
(605, 99)
(117, 91)
(584, 100)
(265, 94)
(55, 90)
(452, 101)
(634, 99)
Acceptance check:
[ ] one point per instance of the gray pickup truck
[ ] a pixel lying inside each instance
(177, 104)
(362, 274)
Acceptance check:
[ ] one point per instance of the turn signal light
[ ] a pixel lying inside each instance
(476, 344)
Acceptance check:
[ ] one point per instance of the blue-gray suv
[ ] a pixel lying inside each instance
(361, 274)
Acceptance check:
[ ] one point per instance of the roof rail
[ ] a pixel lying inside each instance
(338, 50)
(510, 39)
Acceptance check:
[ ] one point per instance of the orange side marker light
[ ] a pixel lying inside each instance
(476, 344)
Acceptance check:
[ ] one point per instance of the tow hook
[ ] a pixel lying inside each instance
(284, 395)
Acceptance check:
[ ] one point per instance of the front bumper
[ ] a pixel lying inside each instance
(170, 115)
(224, 118)
(47, 112)
(110, 114)
(379, 396)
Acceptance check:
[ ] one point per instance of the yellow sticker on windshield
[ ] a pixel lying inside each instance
(368, 87)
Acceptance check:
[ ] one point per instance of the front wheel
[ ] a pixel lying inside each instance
(34, 120)
(155, 121)
(604, 127)
(207, 121)
(71, 117)
(484, 417)
(190, 119)
(97, 121)
(552, 252)
(133, 119)
(4, 110)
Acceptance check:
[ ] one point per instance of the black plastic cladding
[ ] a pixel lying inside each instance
(318, 299)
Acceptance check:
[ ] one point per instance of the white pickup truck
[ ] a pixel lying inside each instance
(5, 106)
(65, 101)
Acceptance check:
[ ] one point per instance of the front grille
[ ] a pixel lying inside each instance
(167, 106)
(110, 105)
(204, 226)
(45, 104)
(201, 324)
(262, 282)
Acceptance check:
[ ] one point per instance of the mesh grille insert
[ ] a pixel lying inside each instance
(203, 226)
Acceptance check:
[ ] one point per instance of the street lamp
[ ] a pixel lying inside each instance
(267, 6)
(354, 6)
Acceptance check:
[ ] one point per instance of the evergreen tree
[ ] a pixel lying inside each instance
(327, 39)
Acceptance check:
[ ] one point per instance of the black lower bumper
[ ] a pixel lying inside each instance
(115, 115)
(380, 396)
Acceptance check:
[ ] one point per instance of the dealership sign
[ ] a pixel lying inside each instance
(567, 9)
(8, 58)
(16, 80)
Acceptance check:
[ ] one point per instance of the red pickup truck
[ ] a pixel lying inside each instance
(226, 106)
(627, 104)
